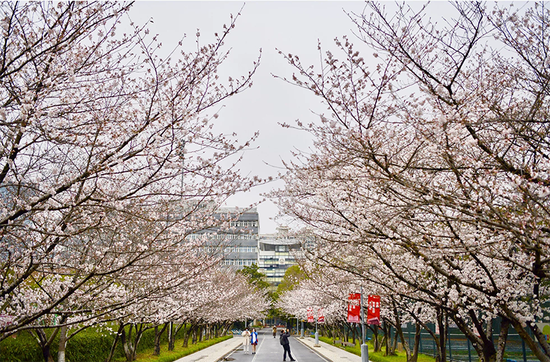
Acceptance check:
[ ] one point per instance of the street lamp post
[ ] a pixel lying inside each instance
(316, 335)
(364, 347)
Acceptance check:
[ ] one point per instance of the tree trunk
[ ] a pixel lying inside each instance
(158, 335)
(127, 342)
(194, 336)
(47, 354)
(186, 338)
(441, 339)
(483, 342)
(417, 336)
(62, 342)
(502, 338)
(226, 327)
(188, 334)
(388, 338)
(156, 350)
(130, 344)
(394, 342)
(375, 340)
(412, 355)
(113, 346)
(170, 337)
(346, 333)
(172, 341)
(45, 342)
(540, 349)
(385, 339)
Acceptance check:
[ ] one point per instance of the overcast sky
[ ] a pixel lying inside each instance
(291, 26)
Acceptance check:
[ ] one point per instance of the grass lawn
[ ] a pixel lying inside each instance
(379, 356)
(178, 352)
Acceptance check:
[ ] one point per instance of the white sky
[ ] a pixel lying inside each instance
(293, 27)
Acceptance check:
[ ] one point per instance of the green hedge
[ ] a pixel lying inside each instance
(20, 348)
(89, 345)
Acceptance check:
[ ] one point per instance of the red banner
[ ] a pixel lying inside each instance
(320, 316)
(354, 308)
(310, 318)
(373, 310)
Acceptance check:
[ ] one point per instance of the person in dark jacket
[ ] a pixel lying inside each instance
(286, 344)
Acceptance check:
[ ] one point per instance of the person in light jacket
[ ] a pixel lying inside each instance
(286, 344)
(246, 341)
(254, 340)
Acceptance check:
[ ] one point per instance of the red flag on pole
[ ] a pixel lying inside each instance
(310, 318)
(320, 316)
(354, 308)
(373, 310)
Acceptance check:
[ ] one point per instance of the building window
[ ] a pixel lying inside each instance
(241, 223)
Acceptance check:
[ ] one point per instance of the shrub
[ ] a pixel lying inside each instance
(91, 346)
(22, 347)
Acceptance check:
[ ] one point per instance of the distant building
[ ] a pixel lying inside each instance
(242, 241)
(242, 245)
(237, 240)
(276, 253)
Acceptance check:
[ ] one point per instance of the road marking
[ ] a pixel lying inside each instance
(258, 347)
(313, 350)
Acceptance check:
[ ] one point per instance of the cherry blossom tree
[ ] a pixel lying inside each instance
(141, 298)
(107, 157)
(332, 278)
(399, 279)
(434, 163)
(213, 297)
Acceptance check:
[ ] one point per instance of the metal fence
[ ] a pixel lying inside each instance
(459, 347)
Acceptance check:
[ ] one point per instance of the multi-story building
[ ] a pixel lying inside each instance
(276, 253)
(241, 243)
(236, 240)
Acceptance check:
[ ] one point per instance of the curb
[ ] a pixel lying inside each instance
(314, 350)
(214, 353)
(329, 352)
(223, 358)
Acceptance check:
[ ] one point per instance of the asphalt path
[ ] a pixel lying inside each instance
(270, 350)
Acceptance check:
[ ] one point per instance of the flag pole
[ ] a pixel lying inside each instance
(364, 347)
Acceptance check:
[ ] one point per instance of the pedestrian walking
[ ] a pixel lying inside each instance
(254, 340)
(274, 331)
(246, 341)
(286, 344)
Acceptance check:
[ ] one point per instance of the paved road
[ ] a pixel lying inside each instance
(270, 350)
